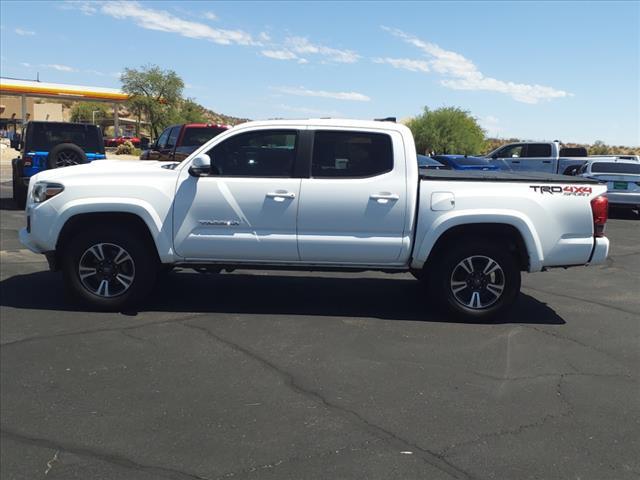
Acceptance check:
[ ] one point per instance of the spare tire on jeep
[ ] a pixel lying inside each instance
(65, 155)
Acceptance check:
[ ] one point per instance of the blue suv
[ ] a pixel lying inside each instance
(45, 145)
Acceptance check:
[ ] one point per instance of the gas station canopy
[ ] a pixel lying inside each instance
(32, 88)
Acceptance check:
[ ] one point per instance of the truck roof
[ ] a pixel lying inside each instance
(326, 122)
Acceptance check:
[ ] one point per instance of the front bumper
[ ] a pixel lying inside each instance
(600, 251)
(27, 240)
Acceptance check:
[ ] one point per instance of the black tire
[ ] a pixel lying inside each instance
(138, 270)
(19, 192)
(475, 298)
(572, 171)
(66, 154)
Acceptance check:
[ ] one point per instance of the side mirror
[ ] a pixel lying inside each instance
(15, 144)
(494, 156)
(515, 155)
(200, 165)
(144, 143)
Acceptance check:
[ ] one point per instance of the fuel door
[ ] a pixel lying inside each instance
(443, 201)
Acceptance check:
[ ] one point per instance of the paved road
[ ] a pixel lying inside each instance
(289, 376)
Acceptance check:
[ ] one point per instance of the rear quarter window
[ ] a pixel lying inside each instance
(538, 150)
(44, 136)
(610, 167)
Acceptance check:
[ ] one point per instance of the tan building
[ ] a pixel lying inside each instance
(23, 100)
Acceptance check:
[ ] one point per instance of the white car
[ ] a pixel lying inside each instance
(621, 176)
(312, 194)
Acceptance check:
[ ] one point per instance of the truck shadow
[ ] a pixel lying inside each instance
(275, 293)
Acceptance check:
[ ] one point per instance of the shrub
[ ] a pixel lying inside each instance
(125, 148)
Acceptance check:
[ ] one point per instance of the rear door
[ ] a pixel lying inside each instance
(352, 209)
(245, 210)
(537, 158)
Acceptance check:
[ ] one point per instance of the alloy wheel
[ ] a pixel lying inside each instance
(477, 282)
(106, 270)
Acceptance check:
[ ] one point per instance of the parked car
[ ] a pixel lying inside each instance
(115, 141)
(177, 142)
(464, 162)
(547, 157)
(312, 194)
(635, 158)
(429, 163)
(622, 178)
(47, 145)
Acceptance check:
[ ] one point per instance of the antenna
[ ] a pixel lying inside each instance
(386, 119)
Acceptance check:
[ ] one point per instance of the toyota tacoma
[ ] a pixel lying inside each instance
(312, 195)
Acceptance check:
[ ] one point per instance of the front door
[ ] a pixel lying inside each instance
(245, 210)
(353, 208)
(156, 147)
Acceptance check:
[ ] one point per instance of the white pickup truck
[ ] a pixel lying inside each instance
(311, 195)
(547, 157)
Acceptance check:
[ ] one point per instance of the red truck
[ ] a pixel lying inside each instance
(177, 142)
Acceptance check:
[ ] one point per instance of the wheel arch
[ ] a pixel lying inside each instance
(519, 237)
(81, 221)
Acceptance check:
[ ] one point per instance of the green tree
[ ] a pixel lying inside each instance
(155, 93)
(599, 148)
(447, 130)
(83, 112)
(187, 111)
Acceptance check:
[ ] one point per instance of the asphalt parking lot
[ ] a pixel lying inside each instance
(320, 376)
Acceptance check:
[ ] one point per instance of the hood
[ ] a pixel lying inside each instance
(98, 167)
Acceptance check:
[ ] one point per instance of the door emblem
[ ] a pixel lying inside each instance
(219, 223)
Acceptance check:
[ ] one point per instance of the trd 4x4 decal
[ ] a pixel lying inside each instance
(564, 190)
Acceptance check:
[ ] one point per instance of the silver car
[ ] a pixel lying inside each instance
(621, 176)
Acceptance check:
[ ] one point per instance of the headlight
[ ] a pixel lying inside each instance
(44, 191)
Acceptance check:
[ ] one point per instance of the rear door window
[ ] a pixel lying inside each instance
(351, 154)
(538, 150)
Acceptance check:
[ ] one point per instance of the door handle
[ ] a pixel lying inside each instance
(546, 161)
(515, 161)
(281, 195)
(384, 197)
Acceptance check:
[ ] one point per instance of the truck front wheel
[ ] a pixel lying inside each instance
(108, 269)
(476, 282)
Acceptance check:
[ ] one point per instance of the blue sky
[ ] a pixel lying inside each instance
(539, 70)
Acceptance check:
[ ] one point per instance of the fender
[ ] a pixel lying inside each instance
(159, 228)
(441, 224)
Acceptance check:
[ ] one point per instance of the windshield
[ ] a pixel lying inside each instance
(610, 167)
(424, 161)
(44, 136)
(196, 136)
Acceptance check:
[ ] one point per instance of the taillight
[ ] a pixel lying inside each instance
(600, 211)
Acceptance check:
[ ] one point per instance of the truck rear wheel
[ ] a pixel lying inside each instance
(475, 282)
(108, 268)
